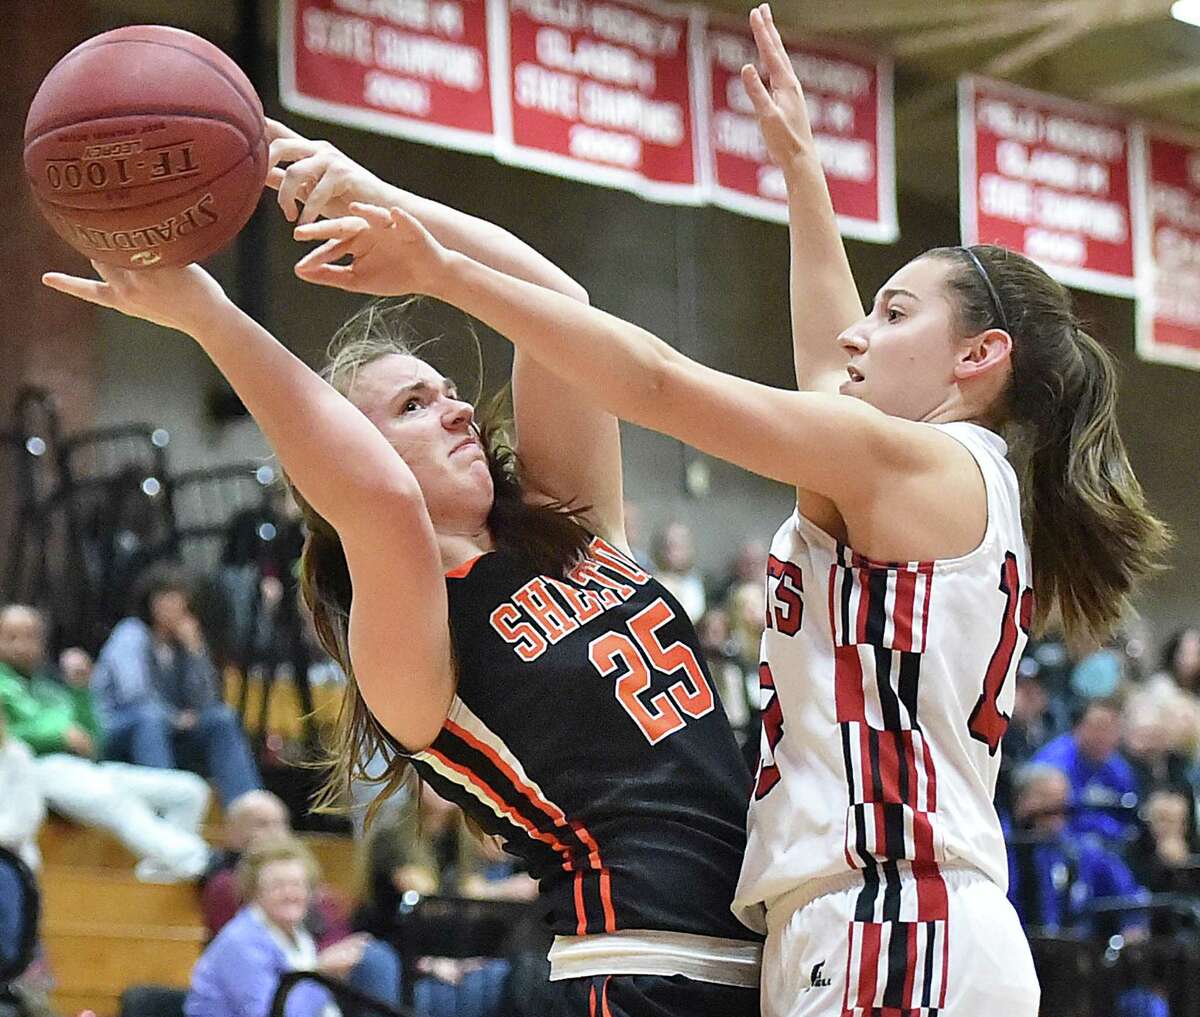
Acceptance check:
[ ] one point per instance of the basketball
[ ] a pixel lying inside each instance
(145, 147)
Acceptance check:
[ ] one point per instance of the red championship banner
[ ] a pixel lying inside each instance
(1049, 178)
(849, 102)
(1167, 186)
(598, 90)
(413, 68)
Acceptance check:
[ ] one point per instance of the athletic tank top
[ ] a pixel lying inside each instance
(886, 687)
(586, 734)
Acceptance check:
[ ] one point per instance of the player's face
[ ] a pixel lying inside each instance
(424, 420)
(283, 891)
(902, 354)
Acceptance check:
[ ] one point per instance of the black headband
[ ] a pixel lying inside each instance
(987, 281)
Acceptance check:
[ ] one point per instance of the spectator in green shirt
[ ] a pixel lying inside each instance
(156, 813)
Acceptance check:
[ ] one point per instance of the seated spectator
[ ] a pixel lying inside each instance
(1167, 854)
(749, 565)
(158, 692)
(1055, 873)
(156, 813)
(22, 810)
(428, 849)
(1149, 744)
(239, 971)
(1104, 788)
(720, 654)
(259, 817)
(674, 560)
(1181, 661)
(22, 807)
(1029, 728)
(1056, 876)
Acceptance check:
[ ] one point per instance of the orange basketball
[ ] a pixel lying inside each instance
(146, 147)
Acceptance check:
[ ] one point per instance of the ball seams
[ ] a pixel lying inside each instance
(255, 110)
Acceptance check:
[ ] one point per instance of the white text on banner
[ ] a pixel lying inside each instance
(598, 90)
(417, 68)
(1049, 178)
(849, 101)
(1168, 311)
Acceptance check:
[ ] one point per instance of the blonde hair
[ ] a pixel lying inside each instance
(267, 851)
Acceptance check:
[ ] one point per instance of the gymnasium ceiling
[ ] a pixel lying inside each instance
(1129, 54)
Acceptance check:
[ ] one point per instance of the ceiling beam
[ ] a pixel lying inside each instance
(984, 30)
(1049, 40)
(1089, 16)
(1139, 91)
(894, 17)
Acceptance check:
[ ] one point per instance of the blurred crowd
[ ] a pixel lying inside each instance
(1097, 795)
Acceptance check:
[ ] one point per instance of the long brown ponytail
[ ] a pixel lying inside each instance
(1091, 534)
(548, 536)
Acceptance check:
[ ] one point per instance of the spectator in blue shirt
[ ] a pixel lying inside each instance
(1054, 873)
(1056, 876)
(1104, 788)
(158, 693)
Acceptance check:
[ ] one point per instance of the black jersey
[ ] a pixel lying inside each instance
(586, 733)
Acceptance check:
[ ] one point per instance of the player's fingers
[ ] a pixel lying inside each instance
(376, 215)
(290, 150)
(323, 191)
(298, 181)
(92, 290)
(326, 254)
(340, 276)
(274, 177)
(770, 47)
(760, 98)
(278, 129)
(342, 228)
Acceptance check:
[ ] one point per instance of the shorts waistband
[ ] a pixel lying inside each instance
(651, 952)
(784, 906)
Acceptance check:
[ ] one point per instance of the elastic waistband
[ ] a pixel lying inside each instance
(650, 952)
(784, 906)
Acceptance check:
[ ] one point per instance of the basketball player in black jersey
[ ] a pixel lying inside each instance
(506, 646)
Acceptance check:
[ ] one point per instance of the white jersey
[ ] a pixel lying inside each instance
(886, 688)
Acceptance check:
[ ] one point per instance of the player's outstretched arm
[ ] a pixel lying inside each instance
(345, 469)
(803, 438)
(315, 179)
(824, 299)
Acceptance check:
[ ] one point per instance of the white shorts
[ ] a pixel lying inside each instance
(949, 945)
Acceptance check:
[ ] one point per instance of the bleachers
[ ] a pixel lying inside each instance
(103, 930)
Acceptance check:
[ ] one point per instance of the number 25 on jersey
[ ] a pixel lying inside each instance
(640, 653)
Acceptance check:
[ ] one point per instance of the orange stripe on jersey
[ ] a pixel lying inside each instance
(460, 571)
(610, 917)
(581, 911)
(557, 816)
(604, 1010)
(506, 808)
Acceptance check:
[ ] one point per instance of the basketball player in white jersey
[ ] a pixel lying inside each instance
(902, 589)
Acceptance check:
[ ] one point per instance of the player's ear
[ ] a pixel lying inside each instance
(983, 353)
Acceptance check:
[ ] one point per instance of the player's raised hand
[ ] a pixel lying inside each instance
(390, 253)
(317, 176)
(186, 298)
(779, 100)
